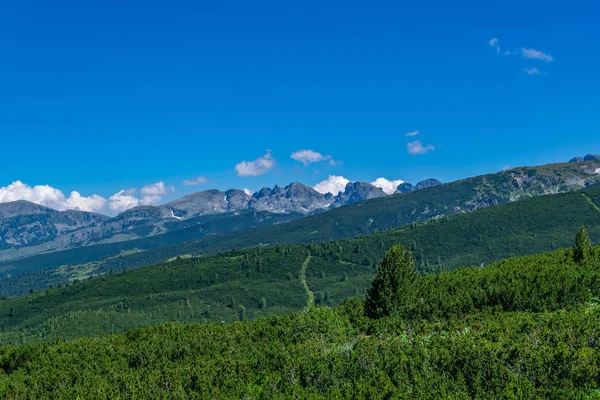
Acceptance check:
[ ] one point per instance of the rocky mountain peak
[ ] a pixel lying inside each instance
(358, 191)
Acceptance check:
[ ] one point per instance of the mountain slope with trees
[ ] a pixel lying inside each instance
(521, 328)
(357, 219)
(526, 227)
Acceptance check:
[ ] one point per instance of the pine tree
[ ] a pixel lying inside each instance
(393, 284)
(583, 246)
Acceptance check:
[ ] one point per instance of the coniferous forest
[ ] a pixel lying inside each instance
(524, 327)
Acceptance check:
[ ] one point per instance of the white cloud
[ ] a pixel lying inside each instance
(536, 54)
(152, 194)
(122, 200)
(248, 192)
(196, 181)
(389, 187)
(42, 194)
(93, 203)
(532, 71)
(48, 196)
(310, 156)
(494, 44)
(597, 172)
(257, 167)
(333, 184)
(416, 147)
(411, 134)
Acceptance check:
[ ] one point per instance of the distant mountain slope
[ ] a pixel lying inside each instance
(267, 280)
(27, 229)
(357, 218)
(529, 226)
(26, 224)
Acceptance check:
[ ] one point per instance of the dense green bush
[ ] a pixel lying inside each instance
(521, 328)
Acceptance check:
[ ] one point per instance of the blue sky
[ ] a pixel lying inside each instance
(103, 96)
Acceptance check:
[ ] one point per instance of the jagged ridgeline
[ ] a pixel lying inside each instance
(522, 328)
(223, 232)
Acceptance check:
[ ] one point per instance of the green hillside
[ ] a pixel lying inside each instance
(522, 328)
(350, 221)
(519, 228)
(269, 280)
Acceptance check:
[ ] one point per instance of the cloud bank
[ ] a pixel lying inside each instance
(50, 197)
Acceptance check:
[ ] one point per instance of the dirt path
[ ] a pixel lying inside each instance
(591, 201)
(311, 296)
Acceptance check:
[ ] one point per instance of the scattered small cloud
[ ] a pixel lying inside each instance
(416, 148)
(333, 184)
(494, 44)
(389, 187)
(532, 71)
(310, 156)
(411, 134)
(196, 181)
(258, 167)
(536, 54)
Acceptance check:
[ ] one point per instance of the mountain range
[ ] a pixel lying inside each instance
(212, 233)
(27, 228)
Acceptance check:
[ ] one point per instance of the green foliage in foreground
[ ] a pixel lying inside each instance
(523, 328)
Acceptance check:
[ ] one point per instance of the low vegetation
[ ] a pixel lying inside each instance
(521, 328)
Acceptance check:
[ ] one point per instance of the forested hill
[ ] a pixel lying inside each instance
(269, 280)
(522, 328)
(526, 227)
(350, 221)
